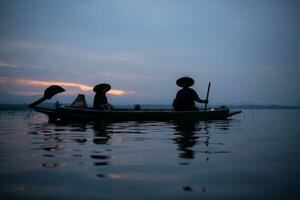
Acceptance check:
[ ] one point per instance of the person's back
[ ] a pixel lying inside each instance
(79, 102)
(100, 100)
(186, 97)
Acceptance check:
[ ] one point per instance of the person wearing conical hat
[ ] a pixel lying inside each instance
(100, 99)
(186, 97)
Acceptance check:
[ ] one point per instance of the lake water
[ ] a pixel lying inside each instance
(255, 155)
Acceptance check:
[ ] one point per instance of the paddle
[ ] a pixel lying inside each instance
(48, 94)
(207, 94)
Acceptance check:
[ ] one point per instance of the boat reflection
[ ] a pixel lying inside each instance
(54, 140)
(62, 142)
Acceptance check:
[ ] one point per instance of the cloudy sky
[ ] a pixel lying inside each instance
(249, 50)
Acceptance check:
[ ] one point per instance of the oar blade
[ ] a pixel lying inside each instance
(48, 94)
(53, 90)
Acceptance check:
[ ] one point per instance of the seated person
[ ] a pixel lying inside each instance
(100, 100)
(79, 102)
(186, 97)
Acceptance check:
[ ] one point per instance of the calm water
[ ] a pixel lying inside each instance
(256, 155)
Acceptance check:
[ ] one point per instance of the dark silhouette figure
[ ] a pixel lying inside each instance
(79, 102)
(186, 97)
(100, 99)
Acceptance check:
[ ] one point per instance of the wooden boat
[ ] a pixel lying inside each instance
(84, 114)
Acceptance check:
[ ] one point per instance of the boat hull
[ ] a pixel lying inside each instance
(79, 114)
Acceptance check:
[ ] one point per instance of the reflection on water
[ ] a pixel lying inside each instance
(101, 135)
(188, 134)
(171, 159)
(120, 150)
(94, 142)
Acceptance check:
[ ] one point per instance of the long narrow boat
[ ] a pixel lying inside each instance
(84, 114)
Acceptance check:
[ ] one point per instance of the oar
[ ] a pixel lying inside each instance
(207, 95)
(48, 94)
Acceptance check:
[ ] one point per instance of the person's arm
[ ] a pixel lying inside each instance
(198, 99)
(100, 102)
(108, 106)
(103, 107)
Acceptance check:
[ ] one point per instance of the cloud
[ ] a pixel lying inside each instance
(120, 92)
(35, 83)
(26, 93)
(4, 64)
(116, 56)
(48, 83)
(4, 80)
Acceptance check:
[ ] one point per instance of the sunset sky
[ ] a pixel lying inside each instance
(249, 50)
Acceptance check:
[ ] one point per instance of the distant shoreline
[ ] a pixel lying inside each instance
(273, 107)
(20, 107)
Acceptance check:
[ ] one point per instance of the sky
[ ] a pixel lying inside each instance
(248, 50)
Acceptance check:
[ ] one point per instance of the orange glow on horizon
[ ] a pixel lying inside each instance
(119, 92)
(82, 87)
(34, 93)
(48, 83)
(116, 176)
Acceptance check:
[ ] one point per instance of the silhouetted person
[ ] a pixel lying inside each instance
(79, 102)
(100, 100)
(186, 97)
